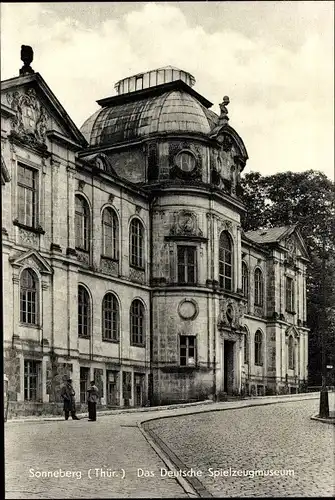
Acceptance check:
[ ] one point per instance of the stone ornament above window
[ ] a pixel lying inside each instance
(291, 248)
(231, 314)
(185, 224)
(30, 122)
(226, 225)
(188, 309)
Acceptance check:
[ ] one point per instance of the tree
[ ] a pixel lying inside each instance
(306, 199)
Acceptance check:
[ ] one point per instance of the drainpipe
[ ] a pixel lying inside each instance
(150, 385)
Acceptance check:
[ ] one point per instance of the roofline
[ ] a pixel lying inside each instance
(151, 91)
(83, 166)
(200, 136)
(36, 77)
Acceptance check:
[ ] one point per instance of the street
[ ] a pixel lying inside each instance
(277, 437)
(122, 464)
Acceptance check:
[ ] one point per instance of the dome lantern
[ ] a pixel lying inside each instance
(153, 78)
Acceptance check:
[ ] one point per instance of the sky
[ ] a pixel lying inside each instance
(275, 61)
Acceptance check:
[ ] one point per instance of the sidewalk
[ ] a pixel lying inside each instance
(201, 406)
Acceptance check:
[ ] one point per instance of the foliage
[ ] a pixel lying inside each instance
(306, 199)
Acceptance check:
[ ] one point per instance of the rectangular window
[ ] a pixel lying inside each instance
(32, 378)
(27, 195)
(84, 382)
(112, 388)
(186, 256)
(139, 83)
(187, 352)
(290, 294)
(126, 387)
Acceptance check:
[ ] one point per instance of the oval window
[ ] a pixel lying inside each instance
(185, 161)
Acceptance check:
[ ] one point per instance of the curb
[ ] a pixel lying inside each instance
(330, 421)
(166, 459)
(193, 486)
(256, 401)
(120, 411)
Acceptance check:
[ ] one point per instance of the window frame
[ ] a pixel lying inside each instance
(246, 346)
(258, 347)
(82, 240)
(33, 293)
(289, 294)
(82, 314)
(137, 329)
(180, 156)
(112, 226)
(184, 345)
(114, 312)
(23, 187)
(290, 353)
(186, 264)
(28, 375)
(245, 279)
(224, 263)
(82, 381)
(258, 288)
(136, 243)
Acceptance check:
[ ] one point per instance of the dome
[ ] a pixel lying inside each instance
(174, 110)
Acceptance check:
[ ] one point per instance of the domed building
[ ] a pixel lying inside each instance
(125, 256)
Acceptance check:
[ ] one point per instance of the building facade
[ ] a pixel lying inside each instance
(124, 259)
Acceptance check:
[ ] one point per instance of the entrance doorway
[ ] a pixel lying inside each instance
(228, 380)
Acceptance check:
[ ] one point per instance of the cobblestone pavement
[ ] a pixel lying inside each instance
(277, 437)
(79, 446)
(114, 442)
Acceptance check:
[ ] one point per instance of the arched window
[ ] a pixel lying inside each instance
(246, 346)
(225, 262)
(136, 243)
(84, 312)
(259, 288)
(109, 234)
(82, 223)
(137, 323)
(291, 353)
(110, 317)
(258, 348)
(29, 297)
(245, 281)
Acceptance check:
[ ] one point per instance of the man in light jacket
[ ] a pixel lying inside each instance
(92, 398)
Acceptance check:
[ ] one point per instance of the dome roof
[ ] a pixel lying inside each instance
(174, 111)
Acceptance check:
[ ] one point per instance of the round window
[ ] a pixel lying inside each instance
(185, 161)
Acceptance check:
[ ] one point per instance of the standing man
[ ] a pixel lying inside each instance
(92, 399)
(68, 395)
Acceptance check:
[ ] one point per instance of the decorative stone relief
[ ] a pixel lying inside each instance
(185, 224)
(27, 238)
(30, 122)
(109, 266)
(83, 257)
(225, 225)
(231, 313)
(137, 275)
(259, 311)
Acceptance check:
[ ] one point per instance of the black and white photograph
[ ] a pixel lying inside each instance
(168, 249)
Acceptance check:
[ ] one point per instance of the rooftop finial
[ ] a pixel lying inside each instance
(27, 56)
(224, 111)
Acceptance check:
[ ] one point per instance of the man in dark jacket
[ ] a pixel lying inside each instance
(68, 396)
(92, 398)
